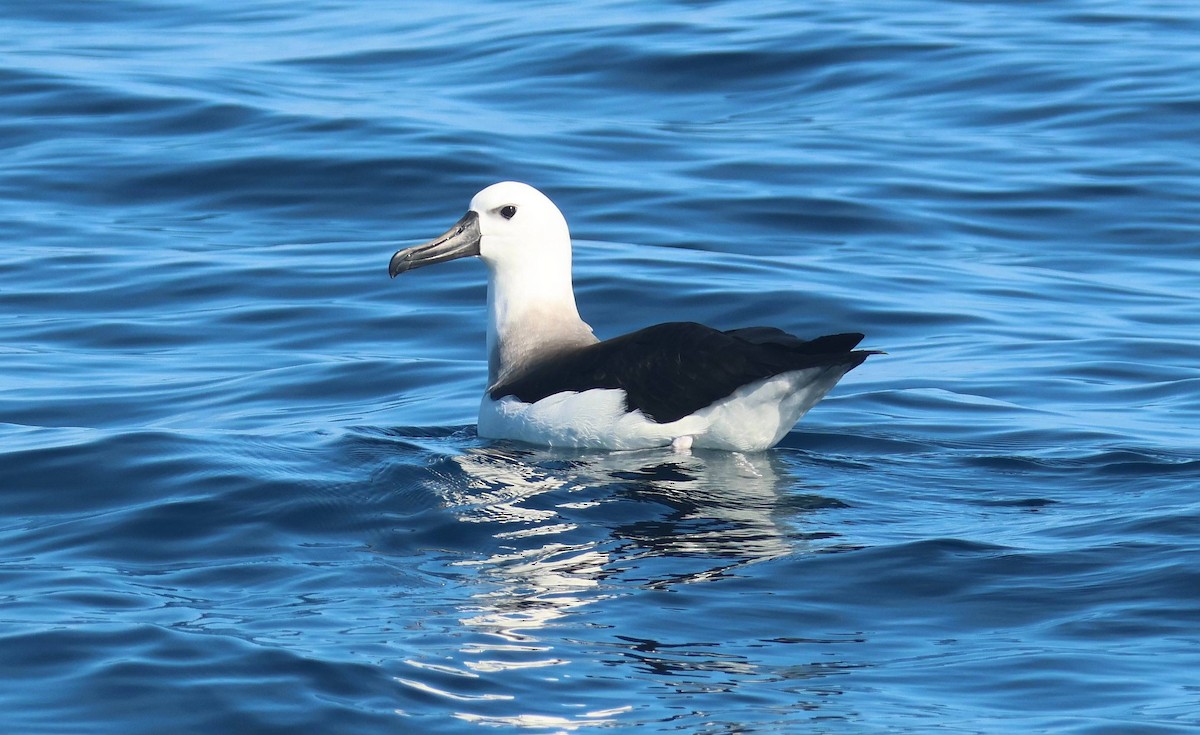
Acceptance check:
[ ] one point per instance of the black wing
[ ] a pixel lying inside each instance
(672, 370)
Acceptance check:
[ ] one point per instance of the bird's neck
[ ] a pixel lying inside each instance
(530, 316)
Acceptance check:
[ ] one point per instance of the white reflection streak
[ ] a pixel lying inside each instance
(536, 585)
(539, 579)
(590, 719)
(541, 585)
(428, 689)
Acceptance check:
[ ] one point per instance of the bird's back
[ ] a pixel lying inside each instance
(669, 371)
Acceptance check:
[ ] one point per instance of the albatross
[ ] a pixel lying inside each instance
(680, 384)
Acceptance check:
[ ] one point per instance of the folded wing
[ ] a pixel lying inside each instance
(672, 370)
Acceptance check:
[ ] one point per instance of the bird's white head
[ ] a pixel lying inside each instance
(523, 238)
(512, 227)
(520, 228)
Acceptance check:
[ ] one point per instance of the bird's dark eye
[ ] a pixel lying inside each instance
(508, 211)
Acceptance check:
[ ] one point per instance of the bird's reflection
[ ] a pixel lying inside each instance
(567, 526)
(564, 530)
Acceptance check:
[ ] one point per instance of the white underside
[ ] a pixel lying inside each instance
(752, 418)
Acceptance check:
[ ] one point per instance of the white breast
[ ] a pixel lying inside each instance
(594, 419)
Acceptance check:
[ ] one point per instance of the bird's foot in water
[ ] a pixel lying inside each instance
(683, 444)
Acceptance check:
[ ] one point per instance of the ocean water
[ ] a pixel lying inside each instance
(240, 485)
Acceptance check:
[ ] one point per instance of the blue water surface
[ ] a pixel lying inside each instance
(240, 484)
